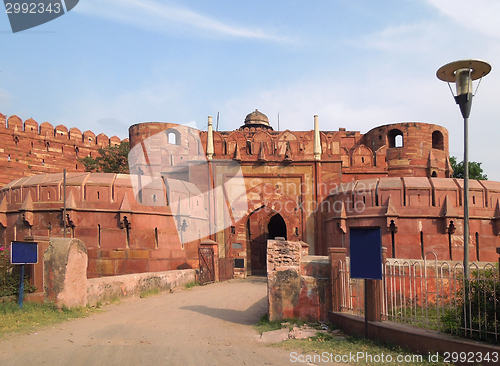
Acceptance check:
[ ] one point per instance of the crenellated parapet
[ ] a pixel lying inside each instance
(29, 148)
(102, 209)
(426, 213)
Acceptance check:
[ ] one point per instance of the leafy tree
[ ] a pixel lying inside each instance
(112, 159)
(475, 170)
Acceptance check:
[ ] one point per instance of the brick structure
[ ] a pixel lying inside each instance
(300, 185)
(121, 235)
(28, 148)
(417, 215)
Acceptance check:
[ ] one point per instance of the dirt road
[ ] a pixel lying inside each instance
(209, 325)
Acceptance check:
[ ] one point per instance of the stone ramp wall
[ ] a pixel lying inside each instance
(108, 288)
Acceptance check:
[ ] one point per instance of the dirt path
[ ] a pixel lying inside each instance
(209, 325)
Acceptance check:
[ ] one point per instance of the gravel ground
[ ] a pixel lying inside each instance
(209, 325)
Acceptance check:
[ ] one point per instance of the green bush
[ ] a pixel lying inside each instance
(482, 311)
(9, 276)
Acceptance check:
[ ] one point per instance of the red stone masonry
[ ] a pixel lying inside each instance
(28, 148)
(121, 236)
(417, 215)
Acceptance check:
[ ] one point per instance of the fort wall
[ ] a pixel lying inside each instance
(28, 148)
(417, 215)
(121, 236)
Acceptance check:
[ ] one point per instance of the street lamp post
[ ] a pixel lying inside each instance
(462, 73)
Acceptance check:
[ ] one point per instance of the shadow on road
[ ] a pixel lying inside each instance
(250, 316)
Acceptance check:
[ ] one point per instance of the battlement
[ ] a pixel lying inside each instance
(30, 148)
(30, 127)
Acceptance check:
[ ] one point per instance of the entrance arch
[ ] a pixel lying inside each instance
(276, 227)
(263, 224)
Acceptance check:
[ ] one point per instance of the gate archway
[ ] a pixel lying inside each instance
(276, 227)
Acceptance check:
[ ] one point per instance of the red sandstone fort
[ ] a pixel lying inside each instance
(308, 186)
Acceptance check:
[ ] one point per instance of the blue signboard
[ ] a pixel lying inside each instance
(23, 252)
(366, 253)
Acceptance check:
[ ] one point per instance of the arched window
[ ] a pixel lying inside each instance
(173, 136)
(437, 140)
(395, 138)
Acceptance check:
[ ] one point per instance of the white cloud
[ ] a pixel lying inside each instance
(478, 15)
(168, 18)
(419, 38)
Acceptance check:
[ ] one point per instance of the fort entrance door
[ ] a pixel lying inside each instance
(263, 224)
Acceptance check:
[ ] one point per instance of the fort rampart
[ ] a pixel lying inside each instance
(28, 148)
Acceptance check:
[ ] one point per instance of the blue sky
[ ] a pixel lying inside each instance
(357, 64)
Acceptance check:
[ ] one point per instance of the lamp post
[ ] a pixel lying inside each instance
(462, 73)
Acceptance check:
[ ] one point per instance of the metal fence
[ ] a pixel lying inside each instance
(435, 295)
(351, 290)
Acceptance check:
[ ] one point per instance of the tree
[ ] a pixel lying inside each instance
(475, 170)
(112, 159)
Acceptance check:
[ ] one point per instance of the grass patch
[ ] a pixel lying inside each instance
(264, 325)
(192, 284)
(352, 345)
(148, 293)
(34, 315)
(340, 344)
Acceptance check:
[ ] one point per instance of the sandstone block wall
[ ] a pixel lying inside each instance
(29, 148)
(297, 284)
(417, 215)
(121, 235)
(108, 288)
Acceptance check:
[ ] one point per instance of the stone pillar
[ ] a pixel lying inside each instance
(375, 295)
(337, 255)
(283, 278)
(210, 140)
(209, 243)
(65, 272)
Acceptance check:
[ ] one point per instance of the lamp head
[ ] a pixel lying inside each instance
(462, 73)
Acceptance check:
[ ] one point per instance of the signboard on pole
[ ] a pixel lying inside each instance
(366, 253)
(23, 252)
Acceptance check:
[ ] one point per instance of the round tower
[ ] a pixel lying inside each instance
(411, 149)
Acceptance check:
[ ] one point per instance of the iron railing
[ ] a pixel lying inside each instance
(434, 295)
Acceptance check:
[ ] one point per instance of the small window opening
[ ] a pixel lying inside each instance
(395, 138)
(393, 241)
(8, 158)
(154, 197)
(98, 236)
(127, 228)
(477, 246)
(172, 139)
(98, 195)
(362, 159)
(156, 237)
(437, 140)
(473, 200)
(422, 252)
(43, 162)
(450, 247)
